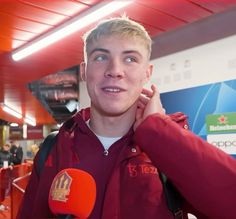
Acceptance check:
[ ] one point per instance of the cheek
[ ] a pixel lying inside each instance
(136, 86)
(95, 73)
(138, 81)
(90, 83)
(92, 76)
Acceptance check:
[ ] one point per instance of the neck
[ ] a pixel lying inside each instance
(111, 126)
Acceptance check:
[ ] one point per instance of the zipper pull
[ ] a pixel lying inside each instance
(106, 152)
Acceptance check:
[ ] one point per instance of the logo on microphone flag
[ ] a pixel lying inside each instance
(60, 188)
(73, 192)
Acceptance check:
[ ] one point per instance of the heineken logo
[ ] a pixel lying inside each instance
(221, 123)
(223, 120)
(222, 128)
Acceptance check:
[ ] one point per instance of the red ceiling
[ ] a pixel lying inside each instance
(24, 20)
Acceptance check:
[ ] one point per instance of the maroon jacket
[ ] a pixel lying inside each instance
(205, 176)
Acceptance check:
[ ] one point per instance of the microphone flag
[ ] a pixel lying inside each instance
(73, 192)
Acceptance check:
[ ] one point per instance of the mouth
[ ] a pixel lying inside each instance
(113, 89)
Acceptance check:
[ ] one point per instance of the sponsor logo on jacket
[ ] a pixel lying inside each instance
(137, 169)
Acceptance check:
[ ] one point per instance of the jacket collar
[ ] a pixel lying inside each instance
(79, 121)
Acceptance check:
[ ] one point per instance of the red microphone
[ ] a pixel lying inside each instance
(73, 192)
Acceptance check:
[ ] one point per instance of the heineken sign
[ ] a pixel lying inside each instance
(221, 123)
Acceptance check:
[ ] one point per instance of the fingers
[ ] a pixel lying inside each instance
(148, 94)
(142, 103)
(143, 100)
(148, 103)
(155, 90)
(139, 112)
(152, 92)
(151, 97)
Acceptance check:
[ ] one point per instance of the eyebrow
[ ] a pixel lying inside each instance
(99, 50)
(133, 51)
(107, 51)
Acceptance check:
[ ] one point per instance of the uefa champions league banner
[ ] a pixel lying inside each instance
(197, 103)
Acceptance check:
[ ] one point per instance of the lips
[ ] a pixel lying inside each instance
(113, 89)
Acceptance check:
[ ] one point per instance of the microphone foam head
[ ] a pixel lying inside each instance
(73, 191)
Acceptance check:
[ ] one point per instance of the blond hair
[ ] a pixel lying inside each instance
(122, 26)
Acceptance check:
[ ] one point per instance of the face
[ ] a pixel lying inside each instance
(116, 70)
(6, 148)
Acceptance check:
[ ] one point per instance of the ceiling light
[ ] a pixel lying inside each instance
(13, 124)
(11, 111)
(27, 119)
(30, 121)
(93, 14)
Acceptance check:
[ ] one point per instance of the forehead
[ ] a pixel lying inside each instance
(118, 43)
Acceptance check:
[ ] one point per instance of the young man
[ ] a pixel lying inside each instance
(124, 139)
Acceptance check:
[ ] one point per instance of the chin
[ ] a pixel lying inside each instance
(113, 112)
(117, 111)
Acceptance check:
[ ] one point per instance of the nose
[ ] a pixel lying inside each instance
(115, 69)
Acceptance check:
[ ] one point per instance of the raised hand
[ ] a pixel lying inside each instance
(149, 103)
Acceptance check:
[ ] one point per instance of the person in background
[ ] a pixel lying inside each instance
(6, 161)
(34, 149)
(125, 139)
(17, 152)
(6, 156)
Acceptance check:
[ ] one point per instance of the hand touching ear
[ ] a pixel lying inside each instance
(149, 103)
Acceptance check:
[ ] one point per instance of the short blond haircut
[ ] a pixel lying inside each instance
(122, 26)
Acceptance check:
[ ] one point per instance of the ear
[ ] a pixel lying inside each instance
(83, 71)
(148, 73)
